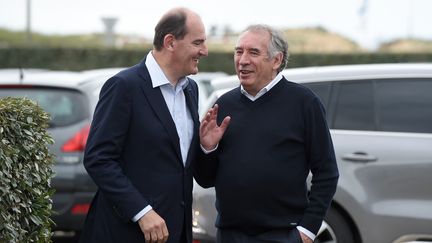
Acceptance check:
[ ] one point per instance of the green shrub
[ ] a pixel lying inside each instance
(25, 172)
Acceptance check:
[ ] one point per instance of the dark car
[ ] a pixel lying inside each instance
(70, 98)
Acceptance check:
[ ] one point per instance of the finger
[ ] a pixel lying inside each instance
(147, 237)
(206, 116)
(203, 127)
(154, 236)
(159, 236)
(209, 112)
(215, 112)
(165, 233)
(225, 123)
(209, 115)
(204, 124)
(210, 119)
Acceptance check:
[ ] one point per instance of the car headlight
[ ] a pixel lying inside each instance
(196, 228)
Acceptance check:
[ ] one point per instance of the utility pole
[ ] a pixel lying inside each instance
(362, 12)
(28, 24)
(410, 23)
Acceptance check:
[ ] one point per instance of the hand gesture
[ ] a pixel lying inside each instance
(210, 132)
(153, 227)
(305, 238)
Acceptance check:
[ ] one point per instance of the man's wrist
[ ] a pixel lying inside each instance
(207, 151)
(141, 213)
(306, 232)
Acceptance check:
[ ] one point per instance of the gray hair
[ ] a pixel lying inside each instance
(277, 43)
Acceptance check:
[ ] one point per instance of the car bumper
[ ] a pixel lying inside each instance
(70, 210)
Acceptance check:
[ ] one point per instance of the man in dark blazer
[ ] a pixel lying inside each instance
(144, 138)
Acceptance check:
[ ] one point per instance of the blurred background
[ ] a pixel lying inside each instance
(52, 39)
(397, 30)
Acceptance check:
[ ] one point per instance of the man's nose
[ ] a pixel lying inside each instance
(204, 51)
(244, 59)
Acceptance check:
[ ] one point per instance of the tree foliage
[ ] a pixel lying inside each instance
(25, 172)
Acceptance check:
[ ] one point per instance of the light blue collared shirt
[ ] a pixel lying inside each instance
(176, 102)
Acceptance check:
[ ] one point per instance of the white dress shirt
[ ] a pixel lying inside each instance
(176, 102)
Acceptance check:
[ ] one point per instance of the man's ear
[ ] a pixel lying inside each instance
(277, 60)
(169, 40)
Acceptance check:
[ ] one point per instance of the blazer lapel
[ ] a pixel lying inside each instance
(192, 103)
(157, 102)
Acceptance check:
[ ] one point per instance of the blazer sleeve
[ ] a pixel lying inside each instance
(102, 158)
(205, 169)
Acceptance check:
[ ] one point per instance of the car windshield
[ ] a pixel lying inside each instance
(65, 106)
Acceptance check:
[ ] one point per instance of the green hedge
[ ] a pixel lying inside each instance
(81, 59)
(25, 172)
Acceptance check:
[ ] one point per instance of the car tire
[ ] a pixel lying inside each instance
(335, 229)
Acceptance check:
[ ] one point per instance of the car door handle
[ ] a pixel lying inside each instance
(359, 157)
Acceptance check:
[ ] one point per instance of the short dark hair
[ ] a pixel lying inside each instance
(172, 23)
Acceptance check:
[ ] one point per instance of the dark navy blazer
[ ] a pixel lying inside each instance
(133, 155)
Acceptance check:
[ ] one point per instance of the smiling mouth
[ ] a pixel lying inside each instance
(245, 72)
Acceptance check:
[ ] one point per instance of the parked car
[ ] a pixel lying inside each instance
(205, 88)
(203, 80)
(380, 116)
(70, 98)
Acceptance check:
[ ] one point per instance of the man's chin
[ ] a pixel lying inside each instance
(244, 80)
(194, 71)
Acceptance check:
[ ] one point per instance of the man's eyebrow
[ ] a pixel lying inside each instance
(254, 49)
(248, 49)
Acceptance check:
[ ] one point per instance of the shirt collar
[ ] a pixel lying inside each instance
(263, 90)
(157, 76)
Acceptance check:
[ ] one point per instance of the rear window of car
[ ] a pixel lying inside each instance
(390, 105)
(355, 106)
(65, 106)
(405, 105)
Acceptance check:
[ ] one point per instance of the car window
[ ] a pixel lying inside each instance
(322, 90)
(355, 106)
(65, 106)
(405, 105)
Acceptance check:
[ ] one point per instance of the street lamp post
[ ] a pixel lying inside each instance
(28, 24)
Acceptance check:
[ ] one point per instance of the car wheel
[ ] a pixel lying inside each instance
(334, 229)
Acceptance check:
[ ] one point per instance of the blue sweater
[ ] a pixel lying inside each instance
(261, 165)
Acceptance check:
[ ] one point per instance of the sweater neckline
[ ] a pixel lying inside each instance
(273, 91)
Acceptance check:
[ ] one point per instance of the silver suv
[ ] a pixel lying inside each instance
(380, 117)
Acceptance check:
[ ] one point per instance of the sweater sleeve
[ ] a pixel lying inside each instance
(322, 163)
(205, 168)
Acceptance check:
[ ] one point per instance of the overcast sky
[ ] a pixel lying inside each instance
(368, 22)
